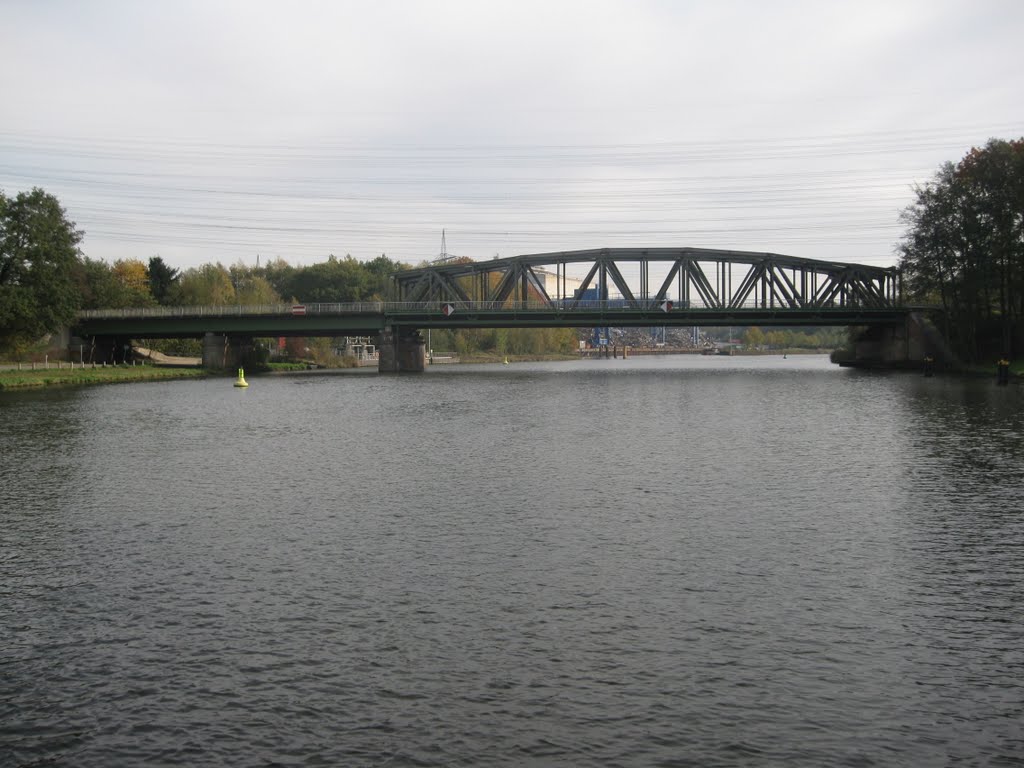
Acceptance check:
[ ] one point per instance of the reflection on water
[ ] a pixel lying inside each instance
(676, 561)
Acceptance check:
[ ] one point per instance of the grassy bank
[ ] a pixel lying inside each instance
(15, 379)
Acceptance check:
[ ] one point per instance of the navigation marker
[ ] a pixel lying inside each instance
(448, 310)
(298, 309)
(666, 306)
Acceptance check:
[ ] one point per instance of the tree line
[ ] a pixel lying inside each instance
(964, 250)
(134, 283)
(794, 338)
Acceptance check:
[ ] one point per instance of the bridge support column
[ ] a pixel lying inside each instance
(401, 350)
(221, 352)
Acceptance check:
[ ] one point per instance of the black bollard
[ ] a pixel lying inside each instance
(1003, 372)
(929, 366)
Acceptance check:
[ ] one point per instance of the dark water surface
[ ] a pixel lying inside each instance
(674, 561)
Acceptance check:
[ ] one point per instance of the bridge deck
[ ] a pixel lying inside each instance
(373, 317)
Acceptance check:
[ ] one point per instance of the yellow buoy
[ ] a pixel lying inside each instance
(241, 379)
(506, 360)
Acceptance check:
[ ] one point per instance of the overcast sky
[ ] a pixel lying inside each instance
(218, 131)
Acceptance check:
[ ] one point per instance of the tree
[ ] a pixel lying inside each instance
(208, 285)
(104, 286)
(256, 290)
(381, 270)
(964, 248)
(754, 337)
(162, 279)
(251, 287)
(278, 273)
(134, 279)
(334, 280)
(775, 339)
(38, 258)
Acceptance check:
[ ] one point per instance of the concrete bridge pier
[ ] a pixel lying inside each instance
(224, 352)
(401, 350)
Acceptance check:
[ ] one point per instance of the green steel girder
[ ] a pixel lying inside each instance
(624, 318)
(704, 275)
(149, 327)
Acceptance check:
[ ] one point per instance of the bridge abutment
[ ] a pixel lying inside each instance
(401, 350)
(910, 344)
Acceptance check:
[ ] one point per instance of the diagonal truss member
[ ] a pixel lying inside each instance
(642, 278)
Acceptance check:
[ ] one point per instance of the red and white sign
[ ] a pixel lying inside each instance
(666, 306)
(298, 309)
(448, 310)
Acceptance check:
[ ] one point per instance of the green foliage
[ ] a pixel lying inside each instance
(964, 248)
(794, 338)
(381, 271)
(278, 273)
(102, 286)
(208, 285)
(753, 337)
(512, 341)
(38, 259)
(537, 341)
(251, 286)
(256, 290)
(442, 340)
(97, 285)
(334, 280)
(162, 279)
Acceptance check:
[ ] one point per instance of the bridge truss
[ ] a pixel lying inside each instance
(643, 279)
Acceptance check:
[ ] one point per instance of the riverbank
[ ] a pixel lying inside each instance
(976, 371)
(493, 357)
(13, 378)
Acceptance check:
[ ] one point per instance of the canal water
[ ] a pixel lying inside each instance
(675, 561)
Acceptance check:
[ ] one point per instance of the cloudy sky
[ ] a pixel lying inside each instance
(210, 131)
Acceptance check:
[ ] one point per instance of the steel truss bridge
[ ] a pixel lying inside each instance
(659, 286)
(624, 287)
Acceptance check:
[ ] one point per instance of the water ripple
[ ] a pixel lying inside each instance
(668, 562)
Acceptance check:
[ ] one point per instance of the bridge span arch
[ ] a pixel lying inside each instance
(692, 278)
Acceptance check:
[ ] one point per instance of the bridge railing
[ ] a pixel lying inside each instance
(531, 305)
(240, 310)
(612, 306)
